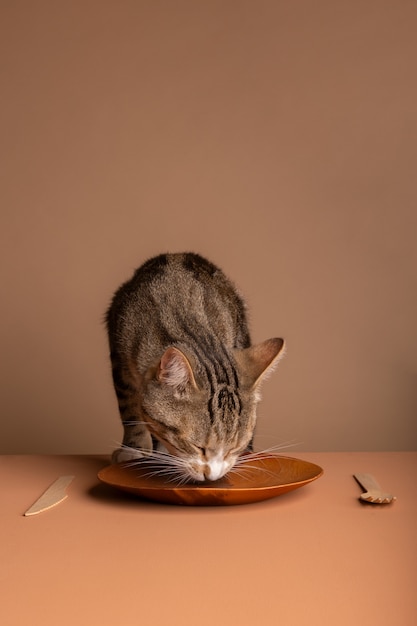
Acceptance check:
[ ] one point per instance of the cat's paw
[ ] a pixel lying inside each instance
(121, 455)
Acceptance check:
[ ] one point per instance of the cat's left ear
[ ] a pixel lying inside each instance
(174, 369)
(257, 361)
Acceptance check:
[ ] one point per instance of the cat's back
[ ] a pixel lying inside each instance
(179, 289)
(183, 272)
(169, 278)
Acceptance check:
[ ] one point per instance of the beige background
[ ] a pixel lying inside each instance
(276, 138)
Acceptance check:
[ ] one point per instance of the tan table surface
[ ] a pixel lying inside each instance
(312, 556)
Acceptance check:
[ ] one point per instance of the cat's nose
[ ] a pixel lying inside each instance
(214, 469)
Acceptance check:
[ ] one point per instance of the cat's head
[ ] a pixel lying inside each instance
(204, 410)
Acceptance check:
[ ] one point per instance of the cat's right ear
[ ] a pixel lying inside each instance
(174, 369)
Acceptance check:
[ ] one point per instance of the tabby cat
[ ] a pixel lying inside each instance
(184, 371)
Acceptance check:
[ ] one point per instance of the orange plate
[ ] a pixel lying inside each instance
(257, 479)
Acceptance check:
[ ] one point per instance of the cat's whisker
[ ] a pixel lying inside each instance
(160, 464)
(271, 451)
(283, 445)
(167, 468)
(145, 456)
(239, 472)
(162, 468)
(184, 480)
(174, 469)
(169, 461)
(256, 468)
(171, 476)
(165, 455)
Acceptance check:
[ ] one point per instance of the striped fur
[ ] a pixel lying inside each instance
(184, 371)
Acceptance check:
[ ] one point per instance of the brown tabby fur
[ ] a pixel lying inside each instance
(184, 371)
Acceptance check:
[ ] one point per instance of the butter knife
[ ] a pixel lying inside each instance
(55, 494)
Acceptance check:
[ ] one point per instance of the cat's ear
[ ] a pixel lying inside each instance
(257, 361)
(174, 369)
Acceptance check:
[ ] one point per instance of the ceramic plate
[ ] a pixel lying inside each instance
(258, 479)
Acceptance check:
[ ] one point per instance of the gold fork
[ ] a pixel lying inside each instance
(373, 492)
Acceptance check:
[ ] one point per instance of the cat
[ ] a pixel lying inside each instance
(184, 371)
